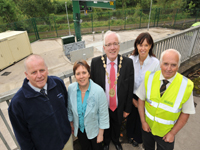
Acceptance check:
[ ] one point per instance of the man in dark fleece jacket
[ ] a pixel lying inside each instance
(38, 111)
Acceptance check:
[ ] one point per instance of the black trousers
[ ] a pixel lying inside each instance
(88, 144)
(113, 132)
(133, 125)
(149, 142)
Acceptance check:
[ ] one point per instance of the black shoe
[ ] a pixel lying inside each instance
(135, 144)
(118, 146)
(130, 140)
(106, 147)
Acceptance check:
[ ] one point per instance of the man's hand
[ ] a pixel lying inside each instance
(146, 127)
(125, 114)
(169, 137)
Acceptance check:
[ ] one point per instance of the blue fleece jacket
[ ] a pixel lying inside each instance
(41, 122)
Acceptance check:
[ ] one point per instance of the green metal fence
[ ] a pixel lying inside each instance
(57, 26)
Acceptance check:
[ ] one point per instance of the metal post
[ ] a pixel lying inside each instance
(93, 35)
(175, 17)
(155, 17)
(102, 35)
(125, 21)
(194, 38)
(109, 19)
(35, 28)
(8, 127)
(149, 15)
(15, 26)
(140, 18)
(76, 18)
(70, 79)
(92, 20)
(67, 18)
(4, 141)
(8, 102)
(158, 16)
(55, 25)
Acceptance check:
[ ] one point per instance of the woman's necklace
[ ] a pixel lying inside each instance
(112, 91)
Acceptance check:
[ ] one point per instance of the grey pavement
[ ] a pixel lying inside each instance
(57, 62)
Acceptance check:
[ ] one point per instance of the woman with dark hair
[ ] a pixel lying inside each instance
(143, 60)
(87, 108)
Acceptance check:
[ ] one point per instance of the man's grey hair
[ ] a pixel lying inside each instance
(171, 50)
(108, 33)
(31, 58)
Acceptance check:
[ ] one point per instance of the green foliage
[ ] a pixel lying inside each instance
(145, 4)
(101, 17)
(8, 11)
(191, 8)
(60, 7)
(36, 8)
(126, 3)
(193, 4)
(171, 3)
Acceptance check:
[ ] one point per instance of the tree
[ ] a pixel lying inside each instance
(8, 11)
(193, 6)
(172, 3)
(36, 8)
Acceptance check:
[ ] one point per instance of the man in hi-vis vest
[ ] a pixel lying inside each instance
(165, 102)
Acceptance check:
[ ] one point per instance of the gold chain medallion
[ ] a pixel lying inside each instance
(112, 91)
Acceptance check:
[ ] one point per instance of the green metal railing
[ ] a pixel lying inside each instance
(57, 26)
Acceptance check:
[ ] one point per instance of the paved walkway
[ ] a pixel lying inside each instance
(57, 63)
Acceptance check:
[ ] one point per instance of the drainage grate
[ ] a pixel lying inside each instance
(5, 73)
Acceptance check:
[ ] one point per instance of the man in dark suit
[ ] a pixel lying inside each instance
(115, 74)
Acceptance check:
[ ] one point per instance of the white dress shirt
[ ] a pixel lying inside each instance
(150, 64)
(37, 89)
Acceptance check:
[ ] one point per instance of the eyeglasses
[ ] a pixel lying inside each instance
(109, 45)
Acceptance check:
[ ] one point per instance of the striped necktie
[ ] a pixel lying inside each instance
(163, 87)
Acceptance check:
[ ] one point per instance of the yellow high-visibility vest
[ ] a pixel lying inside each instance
(161, 113)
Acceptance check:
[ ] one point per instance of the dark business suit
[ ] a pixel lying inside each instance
(124, 89)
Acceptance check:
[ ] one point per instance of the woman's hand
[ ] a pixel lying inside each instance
(100, 136)
(72, 127)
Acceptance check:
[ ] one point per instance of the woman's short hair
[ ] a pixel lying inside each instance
(81, 63)
(140, 39)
